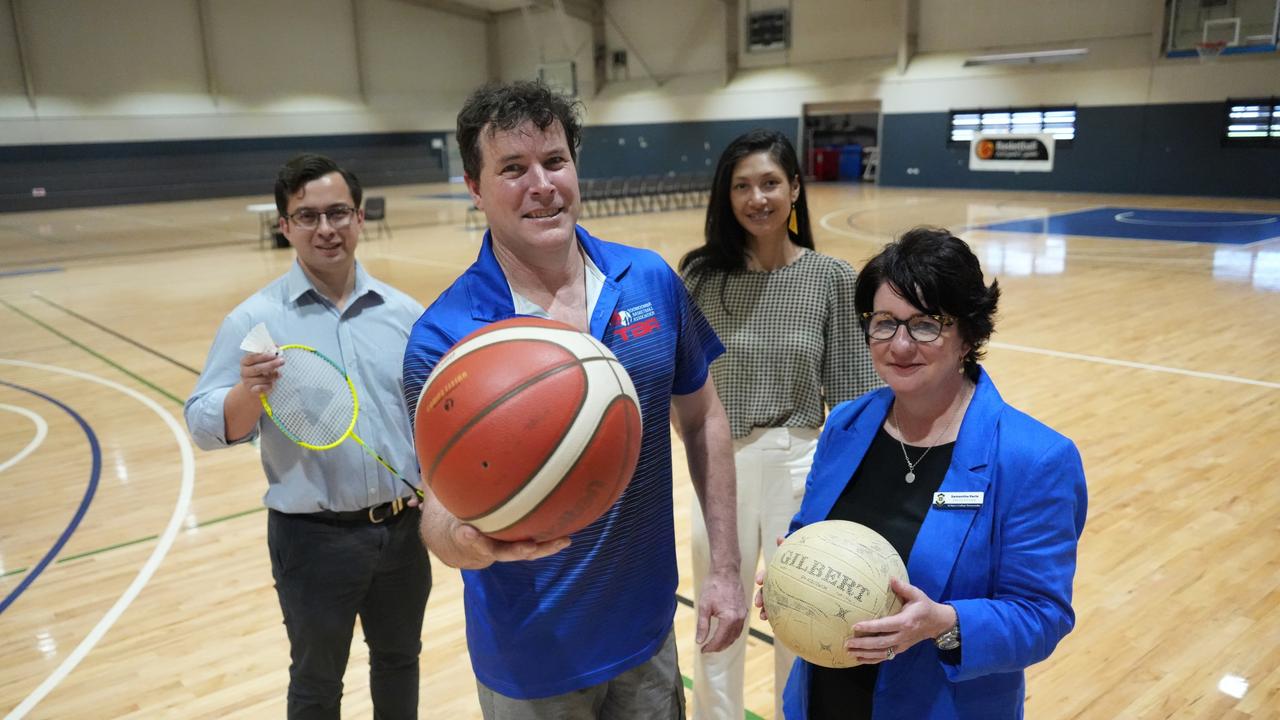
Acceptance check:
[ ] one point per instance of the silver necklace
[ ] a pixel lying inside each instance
(910, 477)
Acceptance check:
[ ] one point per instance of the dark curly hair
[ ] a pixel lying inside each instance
(507, 106)
(937, 273)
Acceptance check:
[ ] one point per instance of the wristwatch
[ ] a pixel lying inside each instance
(949, 640)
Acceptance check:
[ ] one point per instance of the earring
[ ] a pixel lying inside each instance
(793, 224)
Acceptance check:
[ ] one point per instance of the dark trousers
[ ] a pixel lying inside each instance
(327, 574)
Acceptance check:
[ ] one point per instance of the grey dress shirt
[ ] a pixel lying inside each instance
(368, 339)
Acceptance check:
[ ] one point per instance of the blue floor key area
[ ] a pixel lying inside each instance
(1225, 228)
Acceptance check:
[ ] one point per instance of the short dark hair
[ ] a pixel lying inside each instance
(725, 246)
(937, 273)
(304, 168)
(507, 106)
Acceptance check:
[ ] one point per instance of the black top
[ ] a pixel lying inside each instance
(879, 497)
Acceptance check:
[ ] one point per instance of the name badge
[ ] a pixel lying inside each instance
(958, 500)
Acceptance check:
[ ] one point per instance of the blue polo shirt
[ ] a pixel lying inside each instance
(606, 603)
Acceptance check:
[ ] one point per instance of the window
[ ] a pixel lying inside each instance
(768, 30)
(1253, 121)
(1058, 121)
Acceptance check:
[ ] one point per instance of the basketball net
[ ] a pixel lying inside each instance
(1209, 51)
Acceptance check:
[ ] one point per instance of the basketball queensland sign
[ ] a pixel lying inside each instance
(1011, 153)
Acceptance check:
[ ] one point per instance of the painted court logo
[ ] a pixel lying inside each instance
(634, 322)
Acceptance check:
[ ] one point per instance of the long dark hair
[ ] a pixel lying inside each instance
(937, 273)
(725, 246)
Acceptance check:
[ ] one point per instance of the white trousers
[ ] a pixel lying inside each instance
(772, 465)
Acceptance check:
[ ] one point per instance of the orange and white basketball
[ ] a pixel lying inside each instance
(528, 429)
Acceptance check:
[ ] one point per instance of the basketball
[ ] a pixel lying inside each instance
(822, 580)
(528, 429)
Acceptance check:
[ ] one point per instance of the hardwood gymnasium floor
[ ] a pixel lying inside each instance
(148, 593)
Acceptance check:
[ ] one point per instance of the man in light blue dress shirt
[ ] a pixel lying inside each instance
(342, 531)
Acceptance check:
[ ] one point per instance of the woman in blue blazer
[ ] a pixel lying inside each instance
(984, 503)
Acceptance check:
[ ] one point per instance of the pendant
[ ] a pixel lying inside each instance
(910, 478)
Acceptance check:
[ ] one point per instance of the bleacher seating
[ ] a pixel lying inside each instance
(602, 197)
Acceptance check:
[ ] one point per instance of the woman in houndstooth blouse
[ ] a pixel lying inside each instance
(794, 349)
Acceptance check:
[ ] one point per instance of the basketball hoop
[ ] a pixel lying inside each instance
(1209, 51)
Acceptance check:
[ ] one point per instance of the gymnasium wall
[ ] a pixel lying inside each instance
(1164, 149)
(129, 105)
(1147, 123)
(110, 173)
(115, 81)
(664, 148)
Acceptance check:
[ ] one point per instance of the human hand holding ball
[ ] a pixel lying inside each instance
(836, 594)
(526, 431)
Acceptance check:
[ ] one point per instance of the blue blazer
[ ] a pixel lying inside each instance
(1006, 567)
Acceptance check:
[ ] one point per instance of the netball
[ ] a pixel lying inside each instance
(822, 580)
(528, 429)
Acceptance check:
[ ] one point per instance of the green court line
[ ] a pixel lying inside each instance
(94, 353)
(688, 683)
(128, 543)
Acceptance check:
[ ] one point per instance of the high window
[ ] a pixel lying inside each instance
(1057, 121)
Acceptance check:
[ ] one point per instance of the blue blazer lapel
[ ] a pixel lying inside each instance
(846, 447)
(944, 530)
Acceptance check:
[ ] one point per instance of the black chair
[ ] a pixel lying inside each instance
(591, 194)
(375, 211)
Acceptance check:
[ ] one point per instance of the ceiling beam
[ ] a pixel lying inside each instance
(453, 7)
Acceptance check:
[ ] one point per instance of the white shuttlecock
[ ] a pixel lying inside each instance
(259, 341)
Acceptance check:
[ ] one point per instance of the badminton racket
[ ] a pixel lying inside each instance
(315, 404)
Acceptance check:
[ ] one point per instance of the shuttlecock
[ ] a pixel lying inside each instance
(259, 341)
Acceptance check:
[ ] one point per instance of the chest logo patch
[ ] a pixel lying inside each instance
(634, 322)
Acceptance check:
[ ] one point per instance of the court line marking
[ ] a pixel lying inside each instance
(42, 429)
(36, 294)
(986, 224)
(1136, 365)
(93, 352)
(91, 488)
(153, 562)
(32, 271)
(1128, 218)
(1257, 243)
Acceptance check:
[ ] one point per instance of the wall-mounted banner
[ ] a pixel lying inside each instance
(1011, 153)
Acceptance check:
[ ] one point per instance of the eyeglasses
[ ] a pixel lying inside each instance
(308, 219)
(921, 328)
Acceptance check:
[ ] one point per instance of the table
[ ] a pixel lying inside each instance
(266, 220)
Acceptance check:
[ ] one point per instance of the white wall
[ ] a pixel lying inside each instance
(671, 38)
(109, 70)
(947, 25)
(112, 70)
(528, 39)
(845, 50)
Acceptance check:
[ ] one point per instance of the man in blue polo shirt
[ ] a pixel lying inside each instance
(583, 628)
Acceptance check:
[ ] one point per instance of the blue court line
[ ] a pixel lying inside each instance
(92, 488)
(1130, 223)
(32, 271)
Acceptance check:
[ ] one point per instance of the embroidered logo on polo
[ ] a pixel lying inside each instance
(634, 322)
